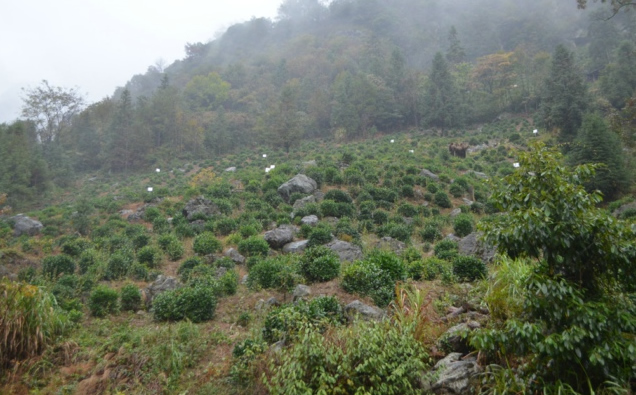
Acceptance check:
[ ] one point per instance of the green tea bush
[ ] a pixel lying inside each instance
(206, 243)
(160, 225)
(442, 200)
(319, 264)
(149, 256)
(469, 268)
(396, 231)
(407, 210)
(338, 196)
(185, 231)
(446, 249)
(456, 190)
(102, 301)
(228, 283)
(278, 273)
(118, 265)
(130, 298)
(150, 213)
(225, 226)
(319, 235)
(186, 266)
(380, 217)
(434, 268)
(196, 304)
(75, 247)
(375, 276)
(253, 246)
(138, 272)
(431, 232)
(56, 265)
(463, 225)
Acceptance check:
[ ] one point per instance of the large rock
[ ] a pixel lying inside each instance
(300, 183)
(453, 375)
(300, 292)
(23, 225)
(160, 285)
(295, 246)
(429, 174)
(389, 243)
(310, 220)
(235, 256)
(280, 236)
(363, 311)
(346, 251)
(200, 206)
(454, 339)
(470, 245)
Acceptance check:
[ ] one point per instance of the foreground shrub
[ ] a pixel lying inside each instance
(56, 265)
(319, 235)
(194, 303)
(375, 276)
(30, 320)
(374, 358)
(279, 273)
(103, 301)
(319, 264)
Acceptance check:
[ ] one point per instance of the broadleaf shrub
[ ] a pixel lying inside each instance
(319, 263)
(103, 300)
(197, 304)
(206, 243)
(56, 265)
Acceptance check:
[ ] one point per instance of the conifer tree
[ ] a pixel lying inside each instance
(441, 99)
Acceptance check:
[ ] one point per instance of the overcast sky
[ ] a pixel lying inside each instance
(97, 45)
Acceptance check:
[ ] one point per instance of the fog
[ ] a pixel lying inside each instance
(97, 45)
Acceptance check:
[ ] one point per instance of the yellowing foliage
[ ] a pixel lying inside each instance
(205, 177)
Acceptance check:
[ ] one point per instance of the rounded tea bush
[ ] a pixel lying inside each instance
(149, 256)
(102, 301)
(319, 264)
(463, 225)
(130, 297)
(469, 268)
(321, 234)
(253, 246)
(206, 243)
(446, 249)
(56, 265)
(442, 199)
(196, 304)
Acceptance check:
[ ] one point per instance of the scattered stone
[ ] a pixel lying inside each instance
(200, 206)
(331, 221)
(231, 169)
(280, 236)
(310, 220)
(24, 225)
(300, 183)
(454, 375)
(454, 339)
(319, 195)
(244, 279)
(467, 202)
(391, 244)
(479, 174)
(346, 251)
(470, 245)
(235, 256)
(455, 212)
(160, 285)
(295, 246)
(429, 174)
(300, 203)
(363, 311)
(300, 292)
(452, 237)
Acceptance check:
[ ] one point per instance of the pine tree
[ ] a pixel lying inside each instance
(597, 144)
(564, 100)
(441, 99)
(619, 79)
(455, 53)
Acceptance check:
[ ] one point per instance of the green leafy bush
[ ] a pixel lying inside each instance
(407, 210)
(442, 200)
(375, 276)
(446, 249)
(253, 246)
(338, 195)
(118, 265)
(206, 243)
(320, 235)
(186, 266)
(149, 256)
(102, 301)
(197, 304)
(278, 272)
(469, 268)
(56, 265)
(225, 226)
(463, 225)
(373, 358)
(319, 264)
(228, 283)
(130, 298)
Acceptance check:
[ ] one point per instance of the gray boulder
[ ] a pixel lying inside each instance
(295, 246)
(429, 174)
(455, 212)
(470, 245)
(160, 285)
(453, 340)
(319, 195)
(357, 309)
(235, 256)
(346, 251)
(277, 238)
(300, 292)
(628, 206)
(300, 183)
(479, 174)
(300, 203)
(310, 220)
(452, 237)
(453, 375)
(231, 169)
(389, 243)
(200, 206)
(23, 225)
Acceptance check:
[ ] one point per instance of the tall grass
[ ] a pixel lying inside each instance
(29, 320)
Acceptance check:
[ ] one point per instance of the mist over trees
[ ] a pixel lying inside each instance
(348, 69)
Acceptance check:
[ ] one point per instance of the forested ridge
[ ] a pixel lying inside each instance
(358, 196)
